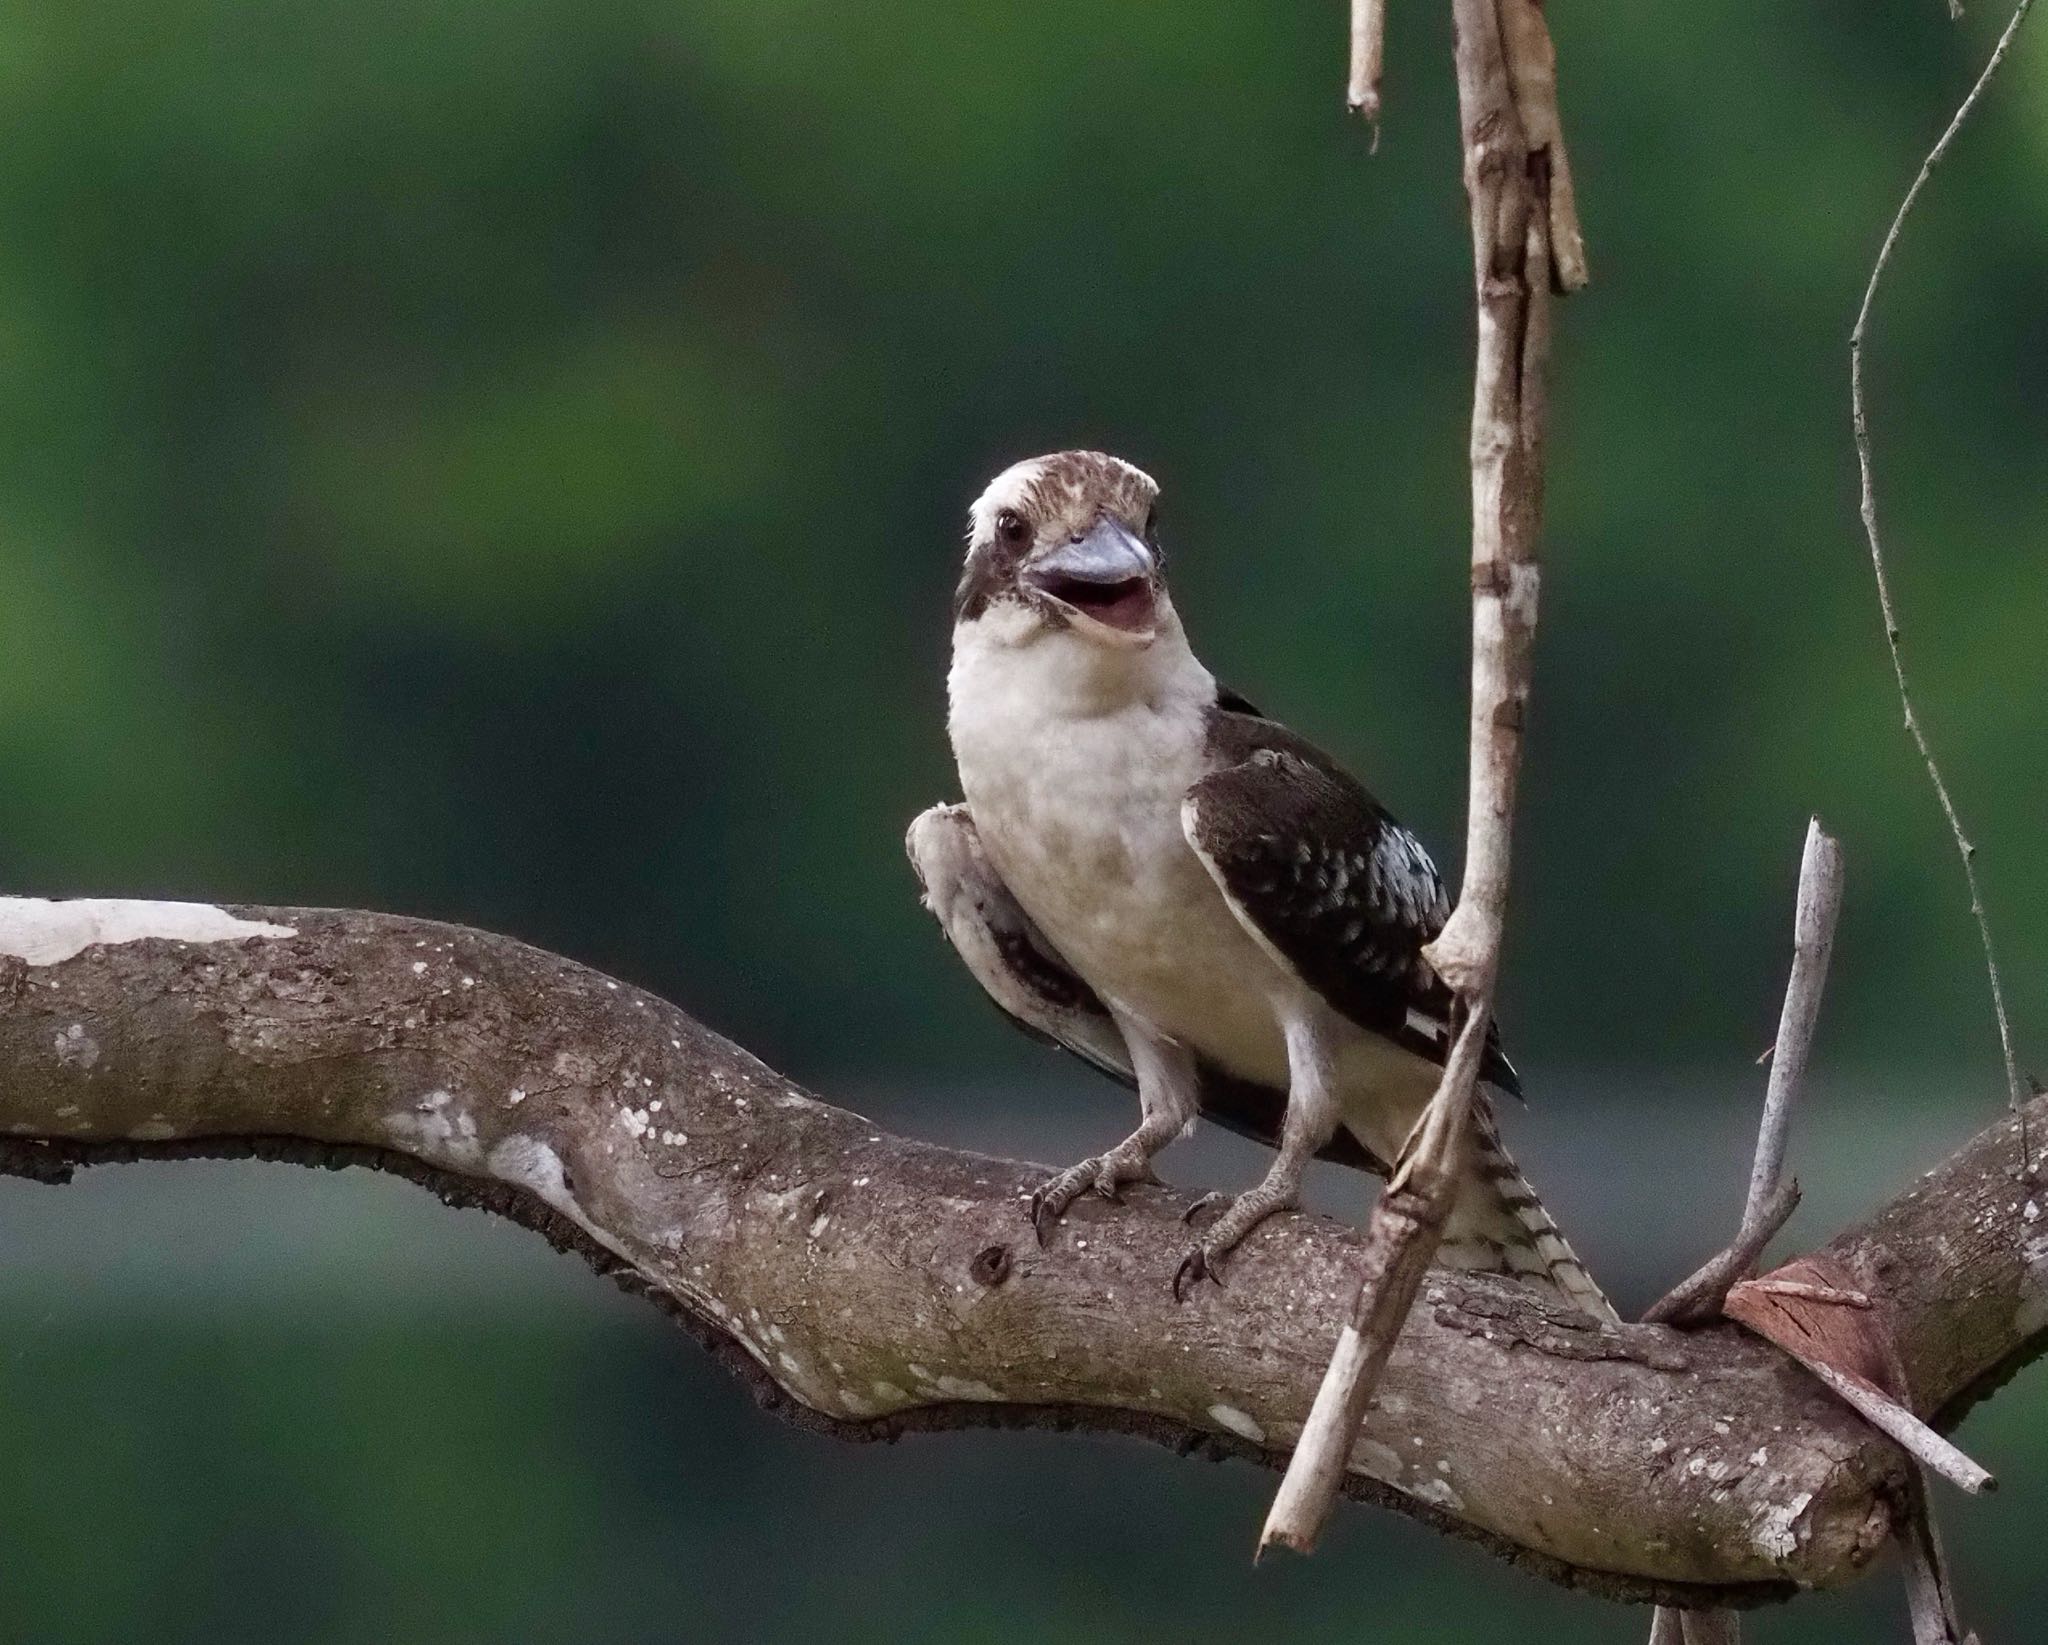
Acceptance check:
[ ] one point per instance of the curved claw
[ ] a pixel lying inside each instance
(1194, 1268)
(1213, 1201)
(1044, 1218)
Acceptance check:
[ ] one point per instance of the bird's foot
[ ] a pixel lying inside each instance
(1245, 1213)
(1105, 1173)
(1209, 1205)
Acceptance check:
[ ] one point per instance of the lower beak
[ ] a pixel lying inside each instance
(1106, 577)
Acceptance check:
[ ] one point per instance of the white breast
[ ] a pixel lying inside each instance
(1074, 763)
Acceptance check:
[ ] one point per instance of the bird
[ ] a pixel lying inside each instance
(1148, 871)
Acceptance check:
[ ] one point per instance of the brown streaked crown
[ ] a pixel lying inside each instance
(1058, 495)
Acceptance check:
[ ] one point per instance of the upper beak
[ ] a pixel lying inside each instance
(1106, 554)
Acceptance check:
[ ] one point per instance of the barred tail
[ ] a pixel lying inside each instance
(1500, 1226)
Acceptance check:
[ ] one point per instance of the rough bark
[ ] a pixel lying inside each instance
(872, 1284)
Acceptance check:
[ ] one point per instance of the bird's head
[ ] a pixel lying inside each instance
(1066, 542)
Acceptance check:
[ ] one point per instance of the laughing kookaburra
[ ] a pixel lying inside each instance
(1151, 873)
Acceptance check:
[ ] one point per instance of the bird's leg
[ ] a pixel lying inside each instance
(1310, 1123)
(1166, 1105)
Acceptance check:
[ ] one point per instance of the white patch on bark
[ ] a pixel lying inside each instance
(48, 933)
(1777, 1527)
(1238, 1422)
(1380, 1461)
(527, 1162)
(964, 1388)
(1436, 1490)
(439, 1130)
(76, 1048)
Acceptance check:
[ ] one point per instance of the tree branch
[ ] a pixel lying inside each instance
(869, 1284)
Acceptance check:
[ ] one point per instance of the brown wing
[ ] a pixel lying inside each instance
(1329, 882)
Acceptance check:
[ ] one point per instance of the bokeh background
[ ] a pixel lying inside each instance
(504, 460)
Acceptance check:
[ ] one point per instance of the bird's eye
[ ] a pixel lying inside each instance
(1011, 531)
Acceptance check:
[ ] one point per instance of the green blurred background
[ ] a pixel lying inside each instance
(505, 459)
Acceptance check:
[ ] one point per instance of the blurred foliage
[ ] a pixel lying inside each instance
(505, 459)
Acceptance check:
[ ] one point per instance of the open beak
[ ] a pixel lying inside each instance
(1105, 576)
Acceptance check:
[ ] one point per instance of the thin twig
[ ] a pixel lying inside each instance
(1771, 1199)
(1813, 941)
(1507, 182)
(1930, 1590)
(1711, 1627)
(1368, 52)
(1860, 418)
(1930, 1596)
(1402, 1236)
(1901, 1427)
(1828, 1295)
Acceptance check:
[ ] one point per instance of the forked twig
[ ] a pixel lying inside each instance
(1771, 1199)
(1860, 418)
(1932, 1607)
(1698, 1298)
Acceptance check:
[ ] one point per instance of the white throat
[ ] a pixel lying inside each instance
(1010, 666)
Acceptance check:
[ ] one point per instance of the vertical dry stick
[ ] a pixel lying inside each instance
(1368, 51)
(1504, 183)
(1860, 418)
(1930, 1598)
(1507, 180)
(1813, 944)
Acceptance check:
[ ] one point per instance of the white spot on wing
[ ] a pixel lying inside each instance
(43, 932)
(1405, 880)
(1426, 1025)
